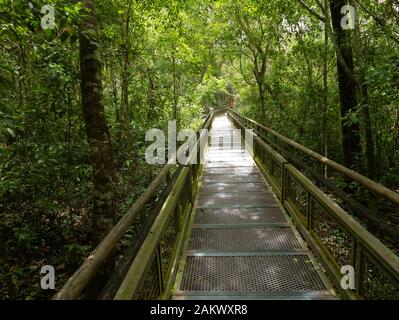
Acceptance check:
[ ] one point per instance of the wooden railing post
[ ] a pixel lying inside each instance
(283, 183)
(373, 207)
(309, 210)
(159, 267)
(359, 270)
(353, 252)
(190, 184)
(376, 265)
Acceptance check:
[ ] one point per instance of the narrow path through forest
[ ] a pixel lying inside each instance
(242, 246)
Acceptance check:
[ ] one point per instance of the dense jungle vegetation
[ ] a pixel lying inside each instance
(78, 96)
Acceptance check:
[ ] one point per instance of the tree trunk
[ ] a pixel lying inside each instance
(347, 87)
(259, 72)
(176, 85)
(125, 90)
(115, 96)
(325, 93)
(98, 135)
(126, 112)
(363, 97)
(262, 100)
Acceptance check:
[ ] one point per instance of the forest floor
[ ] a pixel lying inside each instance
(31, 239)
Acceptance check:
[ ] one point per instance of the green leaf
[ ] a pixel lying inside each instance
(12, 133)
(64, 36)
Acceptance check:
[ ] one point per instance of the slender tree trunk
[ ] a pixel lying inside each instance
(262, 100)
(115, 98)
(347, 87)
(125, 89)
(151, 96)
(363, 97)
(176, 84)
(325, 95)
(126, 112)
(259, 73)
(98, 135)
(206, 65)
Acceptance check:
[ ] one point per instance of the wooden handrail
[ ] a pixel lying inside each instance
(381, 252)
(91, 266)
(364, 245)
(138, 267)
(80, 279)
(371, 185)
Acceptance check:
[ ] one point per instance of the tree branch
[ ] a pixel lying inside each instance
(378, 20)
(313, 12)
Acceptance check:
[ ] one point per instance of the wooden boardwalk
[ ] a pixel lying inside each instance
(241, 244)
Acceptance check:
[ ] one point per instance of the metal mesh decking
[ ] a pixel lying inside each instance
(239, 215)
(248, 274)
(241, 243)
(243, 239)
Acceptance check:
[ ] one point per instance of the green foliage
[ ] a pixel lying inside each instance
(75, 254)
(25, 237)
(215, 93)
(183, 57)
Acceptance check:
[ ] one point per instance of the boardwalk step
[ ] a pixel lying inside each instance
(239, 215)
(221, 274)
(232, 187)
(241, 245)
(225, 199)
(241, 178)
(243, 239)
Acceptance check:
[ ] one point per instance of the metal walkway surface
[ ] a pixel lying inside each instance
(241, 244)
(233, 228)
